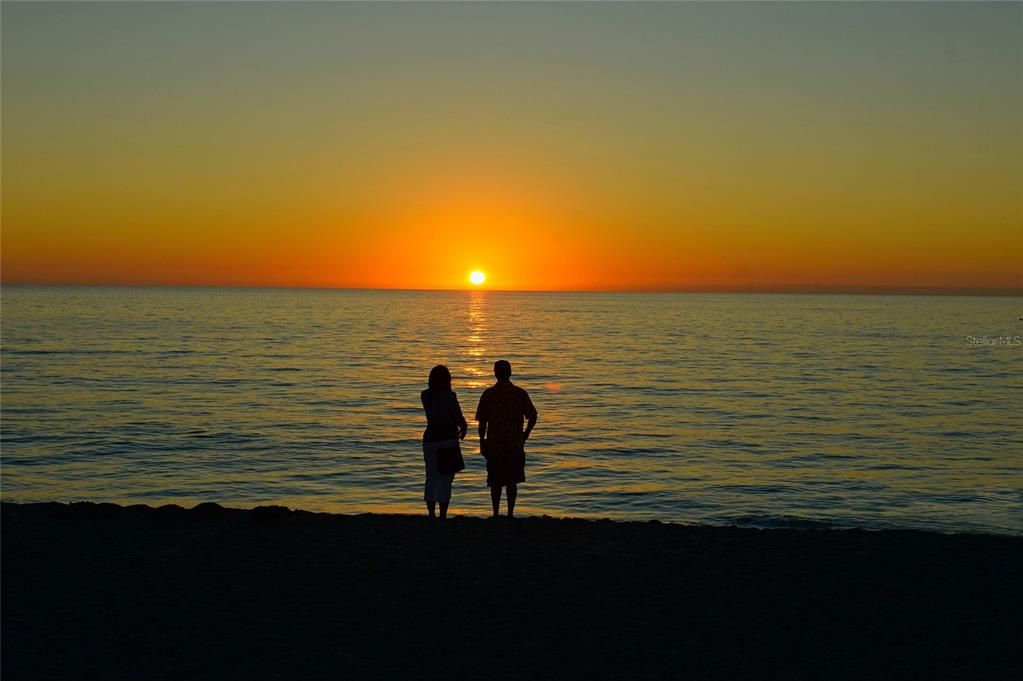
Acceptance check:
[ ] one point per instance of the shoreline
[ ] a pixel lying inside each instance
(758, 522)
(105, 591)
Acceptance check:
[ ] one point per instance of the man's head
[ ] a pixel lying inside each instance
(502, 370)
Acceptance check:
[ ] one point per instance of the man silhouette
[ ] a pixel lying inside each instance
(501, 412)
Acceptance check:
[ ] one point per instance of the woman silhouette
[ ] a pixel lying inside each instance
(445, 426)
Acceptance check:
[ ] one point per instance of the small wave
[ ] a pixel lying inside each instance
(773, 522)
(15, 351)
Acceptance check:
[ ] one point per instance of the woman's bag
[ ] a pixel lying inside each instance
(449, 460)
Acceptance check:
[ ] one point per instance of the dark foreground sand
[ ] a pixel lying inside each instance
(104, 592)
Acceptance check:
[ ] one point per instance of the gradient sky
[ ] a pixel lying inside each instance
(553, 145)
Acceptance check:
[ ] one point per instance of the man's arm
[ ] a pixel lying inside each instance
(530, 414)
(529, 427)
(483, 443)
(481, 420)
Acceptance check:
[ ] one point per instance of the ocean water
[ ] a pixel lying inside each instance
(762, 410)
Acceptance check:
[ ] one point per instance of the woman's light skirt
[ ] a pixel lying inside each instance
(438, 485)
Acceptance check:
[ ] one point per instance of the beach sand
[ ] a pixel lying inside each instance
(105, 592)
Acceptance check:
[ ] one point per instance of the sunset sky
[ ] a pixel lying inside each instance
(664, 146)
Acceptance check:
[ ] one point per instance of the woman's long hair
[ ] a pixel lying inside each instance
(440, 378)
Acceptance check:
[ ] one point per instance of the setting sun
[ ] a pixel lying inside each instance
(477, 278)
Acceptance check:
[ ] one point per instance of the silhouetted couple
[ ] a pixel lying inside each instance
(503, 410)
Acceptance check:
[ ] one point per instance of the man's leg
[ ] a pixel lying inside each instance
(513, 491)
(430, 506)
(443, 509)
(495, 499)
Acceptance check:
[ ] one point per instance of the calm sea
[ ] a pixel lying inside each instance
(763, 410)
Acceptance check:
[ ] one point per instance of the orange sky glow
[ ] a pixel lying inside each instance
(553, 146)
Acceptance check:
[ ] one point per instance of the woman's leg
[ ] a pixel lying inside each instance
(495, 499)
(430, 489)
(513, 491)
(444, 492)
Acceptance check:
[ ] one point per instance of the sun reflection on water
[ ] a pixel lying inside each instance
(474, 350)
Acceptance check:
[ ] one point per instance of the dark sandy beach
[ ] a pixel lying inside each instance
(104, 592)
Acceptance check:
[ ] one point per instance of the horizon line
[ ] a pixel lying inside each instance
(777, 289)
